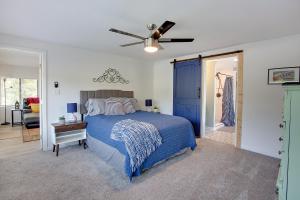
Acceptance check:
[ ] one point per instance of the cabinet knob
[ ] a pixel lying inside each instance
(280, 152)
(277, 190)
(280, 139)
(280, 125)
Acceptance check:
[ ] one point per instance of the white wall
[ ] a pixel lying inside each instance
(262, 110)
(163, 86)
(15, 72)
(74, 69)
(210, 94)
(19, 72)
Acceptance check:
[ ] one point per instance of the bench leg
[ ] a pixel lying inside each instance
(54, 148)
(57, 149)
(79, 142)
(84, 144)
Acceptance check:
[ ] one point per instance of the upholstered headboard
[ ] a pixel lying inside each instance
(85, 95)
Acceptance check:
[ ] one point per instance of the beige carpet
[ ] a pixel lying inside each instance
(214, 171)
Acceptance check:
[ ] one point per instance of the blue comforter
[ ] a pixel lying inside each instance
(177, 133)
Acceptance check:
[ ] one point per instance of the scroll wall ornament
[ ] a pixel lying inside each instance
(111, 76)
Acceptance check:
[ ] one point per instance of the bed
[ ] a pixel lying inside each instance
(177, 134)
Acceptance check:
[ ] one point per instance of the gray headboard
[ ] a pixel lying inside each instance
(85, 95)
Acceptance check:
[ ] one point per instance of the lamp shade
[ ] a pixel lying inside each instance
(148, 102)
(71, 107)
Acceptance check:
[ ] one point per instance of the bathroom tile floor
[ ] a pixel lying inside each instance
(224, 135)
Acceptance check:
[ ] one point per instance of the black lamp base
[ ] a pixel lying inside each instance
(5, 123)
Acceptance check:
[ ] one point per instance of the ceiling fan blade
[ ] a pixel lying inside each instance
(162, 29)
(165, 40)
(126, 33)
(131, 44)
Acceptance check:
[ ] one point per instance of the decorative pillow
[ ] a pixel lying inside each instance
(114, 107)
(95, 106)
(31, 100)
(35, 107)
(134, 102)
(128, 106)
(115, 99)
(124, 100)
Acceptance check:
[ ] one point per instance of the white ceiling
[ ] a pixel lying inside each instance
(213, 23)
(12, 57)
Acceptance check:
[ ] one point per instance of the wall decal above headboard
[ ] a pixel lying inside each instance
(111, 76)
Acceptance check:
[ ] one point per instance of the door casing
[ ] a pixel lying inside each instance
(238, 100)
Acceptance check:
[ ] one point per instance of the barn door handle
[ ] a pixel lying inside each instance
(199, 92)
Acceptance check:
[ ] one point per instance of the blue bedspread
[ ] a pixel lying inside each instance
(177, 133)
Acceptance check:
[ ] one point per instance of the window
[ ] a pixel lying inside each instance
(29, 88)
(17, 89)
(12, 86)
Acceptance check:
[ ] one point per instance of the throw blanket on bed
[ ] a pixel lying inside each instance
(140, 138)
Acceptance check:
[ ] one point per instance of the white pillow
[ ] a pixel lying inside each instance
(128, 105)
(134, 102)
(95, 106)
(114, 106)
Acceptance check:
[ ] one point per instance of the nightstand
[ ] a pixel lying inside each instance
(68, 132)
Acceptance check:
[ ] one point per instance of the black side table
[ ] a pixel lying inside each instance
(12, 117)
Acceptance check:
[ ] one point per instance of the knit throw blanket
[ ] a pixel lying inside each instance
(140, 138)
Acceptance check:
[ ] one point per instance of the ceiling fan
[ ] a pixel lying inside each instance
(151, 43)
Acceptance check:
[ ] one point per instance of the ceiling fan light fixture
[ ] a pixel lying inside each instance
(151, 45)
(150, 49)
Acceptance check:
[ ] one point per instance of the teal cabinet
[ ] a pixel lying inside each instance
(289, 173)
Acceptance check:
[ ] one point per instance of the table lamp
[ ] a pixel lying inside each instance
(148, 104)
(72, 108)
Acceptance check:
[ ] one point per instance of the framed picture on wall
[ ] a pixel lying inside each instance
(283, 75)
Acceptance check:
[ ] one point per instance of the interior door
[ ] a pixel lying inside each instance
(187, 91)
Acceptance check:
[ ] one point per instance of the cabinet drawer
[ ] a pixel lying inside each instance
(69, 127)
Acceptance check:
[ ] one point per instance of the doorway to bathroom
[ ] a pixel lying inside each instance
(221, 110)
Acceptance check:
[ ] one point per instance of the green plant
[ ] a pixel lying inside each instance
(62, 118)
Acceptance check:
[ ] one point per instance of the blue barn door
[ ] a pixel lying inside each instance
(187, 91)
